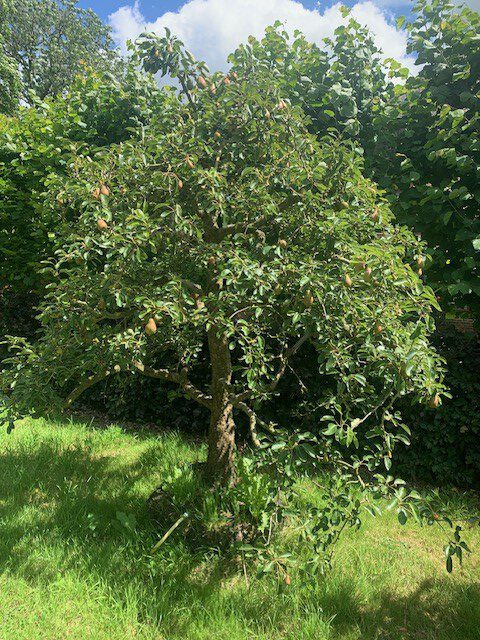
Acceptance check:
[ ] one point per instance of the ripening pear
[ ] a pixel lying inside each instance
(344, 204)
(96, 193)
(226, 80)
(420, 261)
(217, 134)
(151, 327)
(282, 243)
(308, 298)
(189, 162)
(201, 81)
(368, 273)
(378, 328)
(101, 224)
(348, 280)
(180, 184)
(104, 190)
(434, 402)
(375, 215)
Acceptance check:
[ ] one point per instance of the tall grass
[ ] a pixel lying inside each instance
(75, 561)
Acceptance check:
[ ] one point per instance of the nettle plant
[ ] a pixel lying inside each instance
(228, 239)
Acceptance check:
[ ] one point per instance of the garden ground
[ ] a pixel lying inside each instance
(75, 557)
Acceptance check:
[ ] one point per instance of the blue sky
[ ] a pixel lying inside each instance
(152, 10)
(212, 29)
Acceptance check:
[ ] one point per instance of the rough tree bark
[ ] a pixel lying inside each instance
(220, 466)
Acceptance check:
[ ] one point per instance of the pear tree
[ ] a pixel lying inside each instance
(214, 250)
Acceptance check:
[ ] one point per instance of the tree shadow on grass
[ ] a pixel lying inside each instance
(68, 497)
(53, 495)
(435, 610)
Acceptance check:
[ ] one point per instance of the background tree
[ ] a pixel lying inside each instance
(9, 79)
(430, 162)
(49, 41)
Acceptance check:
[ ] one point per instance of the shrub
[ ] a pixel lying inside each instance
(445, 444)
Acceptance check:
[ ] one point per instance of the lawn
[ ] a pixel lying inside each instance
(75, 562)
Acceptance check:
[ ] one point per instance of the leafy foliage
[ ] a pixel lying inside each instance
(420, 136)
(41, 145)
(49, 41)
(445, 444)
(9, 78)
(340, 86)
(432, 128)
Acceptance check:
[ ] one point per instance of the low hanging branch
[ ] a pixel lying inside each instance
(181, 379)
(86, 384)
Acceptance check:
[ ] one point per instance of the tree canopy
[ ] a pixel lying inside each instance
(50, 41)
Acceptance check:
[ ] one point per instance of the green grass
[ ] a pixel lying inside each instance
(69, 569)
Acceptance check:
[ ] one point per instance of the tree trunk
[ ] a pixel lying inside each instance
(221, 435)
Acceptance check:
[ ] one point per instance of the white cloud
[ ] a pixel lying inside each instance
(212, 29)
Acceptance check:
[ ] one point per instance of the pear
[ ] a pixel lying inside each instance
(151, 327)
(282, 243)
(434, 402)
(308, 298)
(101, 224)
(96, 193)
(201, 81)
(348, 280)
(104, 190)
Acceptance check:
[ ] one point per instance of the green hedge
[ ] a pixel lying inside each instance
(445, 445)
